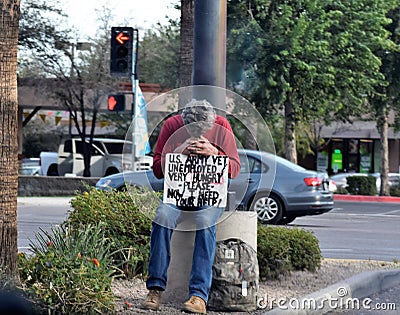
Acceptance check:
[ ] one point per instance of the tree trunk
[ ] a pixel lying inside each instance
(383, 132)
(87, 156)
(8, 146)
(186, 48)
(290, 133)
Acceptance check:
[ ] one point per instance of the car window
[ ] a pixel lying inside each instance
(249, 164)
(68, 146)
(79, 147)
(257, 166)
(244, 164)
(95, 148)
(289, 164)
(115, 148)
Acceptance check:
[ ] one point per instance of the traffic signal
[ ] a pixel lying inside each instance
(116, 102)
(121, 51)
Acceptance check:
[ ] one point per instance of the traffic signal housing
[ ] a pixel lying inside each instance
(116, 102)
(121, 51)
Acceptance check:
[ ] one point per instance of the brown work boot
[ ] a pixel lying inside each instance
(195, 305)
(153, 300)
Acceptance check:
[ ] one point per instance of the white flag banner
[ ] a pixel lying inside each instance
(196, 181)
(140, 136)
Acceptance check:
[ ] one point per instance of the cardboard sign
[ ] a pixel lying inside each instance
(196, 181)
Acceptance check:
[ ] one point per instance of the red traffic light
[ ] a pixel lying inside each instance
(116, 102)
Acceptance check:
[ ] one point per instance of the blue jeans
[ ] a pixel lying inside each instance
(166, 219)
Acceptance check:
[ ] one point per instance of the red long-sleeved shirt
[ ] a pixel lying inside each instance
(173, 134)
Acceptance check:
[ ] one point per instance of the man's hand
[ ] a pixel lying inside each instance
(201, 146)
(197, 146)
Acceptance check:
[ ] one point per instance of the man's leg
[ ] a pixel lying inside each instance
(161, 233)
(203, 259)
(162, 227)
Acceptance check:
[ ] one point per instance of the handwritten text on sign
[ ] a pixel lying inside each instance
(196, 181)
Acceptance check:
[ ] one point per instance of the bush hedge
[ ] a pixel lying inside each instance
(282, 249)
(127, 223)
(127, 219)
(362, 185)
(395, 191)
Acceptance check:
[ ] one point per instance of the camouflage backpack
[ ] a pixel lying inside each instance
(235, 277)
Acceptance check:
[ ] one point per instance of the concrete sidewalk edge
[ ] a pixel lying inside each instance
(357, 287)
(339, 197)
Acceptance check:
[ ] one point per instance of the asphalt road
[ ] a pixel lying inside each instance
(360, 230)
(353, 230)
(357, 230)
(35, 213)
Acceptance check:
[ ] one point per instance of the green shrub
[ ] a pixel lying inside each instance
(281, 250)
(362, 185)
(70, 271)
(395, 191)
(127, 222)
(342, 191)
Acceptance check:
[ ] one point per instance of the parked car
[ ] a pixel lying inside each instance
(278, 190)
(106, 159)
(341, 179)
(48, 163)
(29, 166)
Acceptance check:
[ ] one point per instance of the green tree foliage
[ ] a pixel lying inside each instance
(313, 60)
(387, 98)
(159, 55)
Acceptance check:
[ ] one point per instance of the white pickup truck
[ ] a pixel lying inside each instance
(108, 157)
(48, 162)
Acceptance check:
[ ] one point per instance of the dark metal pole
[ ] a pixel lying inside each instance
(135, 84)
(209, 49)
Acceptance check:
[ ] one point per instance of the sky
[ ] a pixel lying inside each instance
(135, 13)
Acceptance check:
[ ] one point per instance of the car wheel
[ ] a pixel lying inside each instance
(268, 207)
(287, 220)
(52, 171)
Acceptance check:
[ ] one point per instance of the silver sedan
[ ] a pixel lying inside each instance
(278, 190)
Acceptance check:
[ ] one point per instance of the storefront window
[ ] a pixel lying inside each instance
(366, 156)
(377, 156)
(337, 156)
(352, 158)
(353, 146)
(322, 161)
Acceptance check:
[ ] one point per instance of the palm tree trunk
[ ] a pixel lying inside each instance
(8, 146)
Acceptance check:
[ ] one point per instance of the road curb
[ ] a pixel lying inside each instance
(347, 291)
(338, 197)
